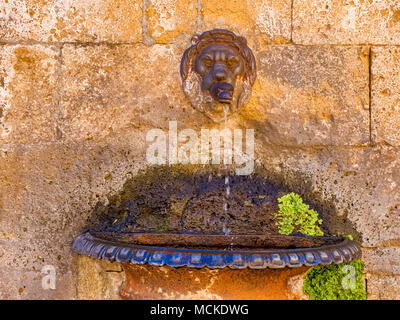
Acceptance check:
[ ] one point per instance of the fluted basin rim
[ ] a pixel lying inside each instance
(343, 250)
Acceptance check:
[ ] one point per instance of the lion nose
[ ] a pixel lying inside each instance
(220, 72)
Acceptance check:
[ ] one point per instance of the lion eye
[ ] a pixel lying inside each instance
(233, 62)
(207, 61)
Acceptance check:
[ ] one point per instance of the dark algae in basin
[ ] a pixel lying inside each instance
(177, 199)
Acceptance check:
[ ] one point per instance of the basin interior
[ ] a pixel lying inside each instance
(193, 200)
(243, 242)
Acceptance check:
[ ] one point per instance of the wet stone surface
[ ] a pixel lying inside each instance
(178, 199)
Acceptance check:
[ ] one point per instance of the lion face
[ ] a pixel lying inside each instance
(218, 66)
(218, 70)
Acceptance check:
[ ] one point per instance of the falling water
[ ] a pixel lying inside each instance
(225, 230)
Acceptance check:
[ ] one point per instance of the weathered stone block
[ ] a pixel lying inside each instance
(28, 79)
(27, 285)
(385, 100)
(82, 21)
(167, 20)
(346, 22)
(109, 90)
(98, 279)
(382, 260)
(382, 287)
(268, 21)
(310, 96)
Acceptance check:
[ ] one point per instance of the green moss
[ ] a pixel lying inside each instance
(296, 216)
(334, 282)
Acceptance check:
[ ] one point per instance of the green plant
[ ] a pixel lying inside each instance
(326, 282)
(296, 216)
(321, 282)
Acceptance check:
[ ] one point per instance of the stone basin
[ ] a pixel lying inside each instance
(192, 259)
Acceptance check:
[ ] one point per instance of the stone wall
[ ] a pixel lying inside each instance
(81, 82)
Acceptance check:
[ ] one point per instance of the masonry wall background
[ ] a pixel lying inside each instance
(81, 82)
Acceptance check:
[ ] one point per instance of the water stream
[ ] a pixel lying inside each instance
(225, 230)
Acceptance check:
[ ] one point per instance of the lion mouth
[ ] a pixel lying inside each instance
(223, 92)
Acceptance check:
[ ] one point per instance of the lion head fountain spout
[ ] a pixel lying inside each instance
(219, 68)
